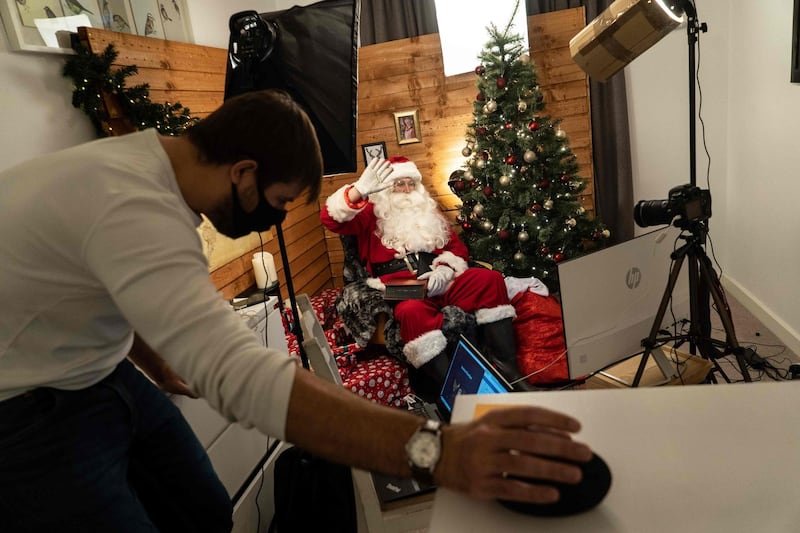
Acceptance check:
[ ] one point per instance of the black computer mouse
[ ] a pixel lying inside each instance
(574, 498)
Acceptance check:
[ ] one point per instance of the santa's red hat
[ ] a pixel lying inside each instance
(402, 167)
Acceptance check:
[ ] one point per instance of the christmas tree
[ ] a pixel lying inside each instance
(519, 187)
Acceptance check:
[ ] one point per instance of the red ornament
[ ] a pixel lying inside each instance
(544, 250)
(508, 125)
(533, 126)
(485, 155)
(501, 82)
(510, 160)
(466, 226)
(459, 185)
(481, 130)
(480, 97)
(597, 234)
(536, 208)
(487, 191)
(558, 257)
(544, 184)
(564, 178)
(503, 234)
(480, 70)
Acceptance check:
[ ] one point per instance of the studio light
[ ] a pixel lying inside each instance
(621, 33)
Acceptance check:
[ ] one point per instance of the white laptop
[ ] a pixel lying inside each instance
(610, 299)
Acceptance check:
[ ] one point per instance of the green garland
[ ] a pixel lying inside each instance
(92, 75)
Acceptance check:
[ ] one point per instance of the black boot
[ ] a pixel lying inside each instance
(427, 380)
(500, 347)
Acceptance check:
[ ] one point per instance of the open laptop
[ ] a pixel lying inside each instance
(469, 373)
(610, 298)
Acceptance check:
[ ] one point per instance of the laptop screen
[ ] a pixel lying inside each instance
(469, 373)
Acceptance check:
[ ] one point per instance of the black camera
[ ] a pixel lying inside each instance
(687, 202)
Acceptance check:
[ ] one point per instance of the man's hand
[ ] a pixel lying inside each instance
(480, 458)
(374, 177)
(439, 279)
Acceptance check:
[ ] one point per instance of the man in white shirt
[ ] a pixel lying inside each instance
(101, 260)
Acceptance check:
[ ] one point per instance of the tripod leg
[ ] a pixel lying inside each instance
(650, 341)
(715, 287)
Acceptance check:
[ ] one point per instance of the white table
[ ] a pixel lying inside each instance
(702, 458)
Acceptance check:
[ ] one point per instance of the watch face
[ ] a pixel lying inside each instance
(424, 450)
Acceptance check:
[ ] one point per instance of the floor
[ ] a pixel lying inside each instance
(751, 333)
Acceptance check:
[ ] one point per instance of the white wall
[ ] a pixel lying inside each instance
(749, 108)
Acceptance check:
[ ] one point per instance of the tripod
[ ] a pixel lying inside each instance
(703, 282)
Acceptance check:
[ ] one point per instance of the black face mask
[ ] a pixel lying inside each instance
(261, 219)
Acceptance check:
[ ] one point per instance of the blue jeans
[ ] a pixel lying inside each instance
(115, 457)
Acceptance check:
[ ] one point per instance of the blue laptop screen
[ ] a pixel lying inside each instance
(468, 374)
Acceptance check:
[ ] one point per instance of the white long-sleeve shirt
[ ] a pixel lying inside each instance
(96, 241)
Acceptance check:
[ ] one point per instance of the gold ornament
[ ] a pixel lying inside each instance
(530, 156)
(491, 106)
(478, 209)
(466, 152)
(504, 181)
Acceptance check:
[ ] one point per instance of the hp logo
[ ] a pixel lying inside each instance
(633, 278)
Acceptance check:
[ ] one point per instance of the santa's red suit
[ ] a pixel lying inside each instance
(475, 290)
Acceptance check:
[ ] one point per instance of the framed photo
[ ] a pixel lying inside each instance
(406, 124)
(373, 151)
(42, 25)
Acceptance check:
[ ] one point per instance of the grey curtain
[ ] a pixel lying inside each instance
(388, 20)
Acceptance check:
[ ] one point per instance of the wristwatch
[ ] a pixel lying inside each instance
(423, 450)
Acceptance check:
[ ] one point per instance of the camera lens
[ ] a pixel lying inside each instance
(652, 213)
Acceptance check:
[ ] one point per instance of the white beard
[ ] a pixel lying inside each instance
(410, 222)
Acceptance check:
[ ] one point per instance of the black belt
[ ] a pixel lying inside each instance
(418, 263)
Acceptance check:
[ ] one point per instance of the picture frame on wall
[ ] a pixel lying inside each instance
(44, 25)
(406, 125)
(372, 151)
(147, 18)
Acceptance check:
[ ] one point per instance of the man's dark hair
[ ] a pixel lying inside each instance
(268, 127)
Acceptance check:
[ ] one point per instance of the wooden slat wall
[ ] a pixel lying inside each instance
(408, 74)
(394, 76)
(195, 76)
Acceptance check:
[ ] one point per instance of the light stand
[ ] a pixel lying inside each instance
(703, 281)
(252, 41)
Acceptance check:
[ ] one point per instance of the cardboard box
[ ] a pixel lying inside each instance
(619, 35)
(692, 370)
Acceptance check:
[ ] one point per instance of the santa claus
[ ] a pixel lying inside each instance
(403, 235)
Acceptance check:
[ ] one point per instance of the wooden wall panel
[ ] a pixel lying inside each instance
(394, 76)
(408, 74)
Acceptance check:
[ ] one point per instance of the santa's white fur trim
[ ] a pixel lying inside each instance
(338, 208)
(375, 283)
(452, 260)
(405, 169)
(425, 347)
(493, 314)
